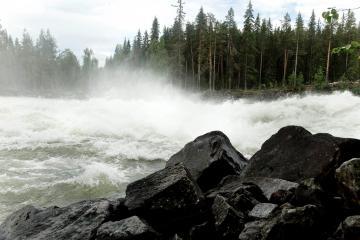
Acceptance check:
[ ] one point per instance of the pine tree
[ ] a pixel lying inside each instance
(155, 32)
(310, 42)
(286, 42)
(201, 27)
(331, 18)
(299, 38)
(231, 50)
(178, 36)
(248, 39)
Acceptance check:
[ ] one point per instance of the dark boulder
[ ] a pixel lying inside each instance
(349, 229)
(78, 221)
(241, 196)
(252, 231)
(228, 222)
(209, 158)
(348, 179)
(310, 191)
(271, 186)
(289, 223)
(294, 154)
(132, 228)
(202, 231)
(168, 198)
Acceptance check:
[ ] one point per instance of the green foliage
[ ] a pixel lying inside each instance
(296, 81)
(331, 15)
(319, 80)
(356, 91)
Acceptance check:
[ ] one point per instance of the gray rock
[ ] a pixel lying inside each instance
(202, 231)
(348, 178)
(252, 231)
(132, 228)
(78, 221)
(209, 158)
(242, 196)
(309, 191)
(351, 228)
(228, 222)
(294, 154)
(263, 210)
(166, 198)
(289, 223)
(269, 186)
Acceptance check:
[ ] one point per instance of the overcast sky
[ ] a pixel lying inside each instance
(101, 24)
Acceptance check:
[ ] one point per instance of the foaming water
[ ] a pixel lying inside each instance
(57, 151)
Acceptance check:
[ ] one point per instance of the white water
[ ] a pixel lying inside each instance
(55, 151)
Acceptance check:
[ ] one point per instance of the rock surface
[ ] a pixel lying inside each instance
(269, 186)
(78, 221)
(209, 158)
(351, 228)
(262, 210)
(348, 177)
(168, 197)
(241, 196)
(228, 222)
(132, 228)
(294, 154)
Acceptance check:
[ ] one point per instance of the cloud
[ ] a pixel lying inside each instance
(101, 24)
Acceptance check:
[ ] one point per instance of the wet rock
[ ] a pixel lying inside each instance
(348, 178)
(289, 223)
(241, 196)
(263, 210)
(294, 154)
(209, 158)
(228, 222)
(168, 198)
(78, 221)
(252, 231)
(270, 186)
(351, 228)
(202, 231)
(132, 228)
(309, 191)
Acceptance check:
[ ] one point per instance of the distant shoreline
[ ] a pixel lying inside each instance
(254, 94)
(276, 93)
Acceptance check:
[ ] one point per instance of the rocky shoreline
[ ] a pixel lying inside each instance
(297, 186)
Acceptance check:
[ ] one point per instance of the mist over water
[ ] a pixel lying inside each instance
(58, 151)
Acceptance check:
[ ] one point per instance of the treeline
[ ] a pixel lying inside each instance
(216, 55)
(207, 54)
(29, 66)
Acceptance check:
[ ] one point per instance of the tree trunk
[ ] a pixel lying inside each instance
(210, 69)
(245, 76)
(199, 64)
(285, 67)
(296, 56)
(261, 66)
(328, 62)
(222, 72)
(192, 65)
(214, 66)
(186, 74)
(346, 61)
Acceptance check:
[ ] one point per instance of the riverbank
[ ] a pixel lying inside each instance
(276, 93)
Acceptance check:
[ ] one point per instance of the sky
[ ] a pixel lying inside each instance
(101, 24)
